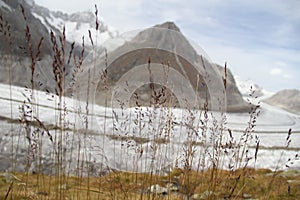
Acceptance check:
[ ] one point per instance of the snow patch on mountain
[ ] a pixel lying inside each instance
(30, 2)
(113, 43)
(77, 25)
(246, 86)
(4, 5)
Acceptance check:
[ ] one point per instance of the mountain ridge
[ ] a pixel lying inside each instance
(174, 49)
(288, 99)
(164, 45)
(15, 51)
(76, 25)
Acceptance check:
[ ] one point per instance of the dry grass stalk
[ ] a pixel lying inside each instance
(206, 140)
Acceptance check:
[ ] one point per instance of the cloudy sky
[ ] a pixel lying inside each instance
(260, 40)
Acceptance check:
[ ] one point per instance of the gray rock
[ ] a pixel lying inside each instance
(196, 196)
(157, 189)
(172, 187)
(247, 196)
(207, 194)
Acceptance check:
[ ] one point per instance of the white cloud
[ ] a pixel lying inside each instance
(275, 71)
(281, 73)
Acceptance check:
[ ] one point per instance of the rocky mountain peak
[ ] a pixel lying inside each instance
(169, 25)
(165, 45)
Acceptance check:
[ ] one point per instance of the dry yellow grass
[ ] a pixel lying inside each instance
(259, 184)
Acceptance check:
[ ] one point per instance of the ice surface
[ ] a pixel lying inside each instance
(114, 138)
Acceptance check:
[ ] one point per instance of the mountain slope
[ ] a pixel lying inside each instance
(286, 99)
(12, 15)
(160, 62)
(234, 98)
(15, 59)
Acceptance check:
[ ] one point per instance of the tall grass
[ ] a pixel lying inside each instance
(209, 163)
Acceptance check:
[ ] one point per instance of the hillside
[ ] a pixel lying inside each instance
(11, 15)
(19, 51)
(159, 61)
(15, 49)
(286, 99)
(177, 75)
